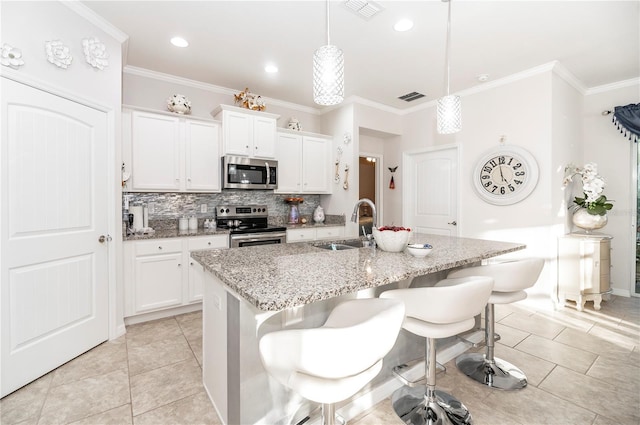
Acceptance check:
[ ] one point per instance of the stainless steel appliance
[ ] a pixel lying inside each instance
(248, 225)
(240, 172)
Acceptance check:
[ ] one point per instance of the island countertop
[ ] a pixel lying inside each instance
(277, 277)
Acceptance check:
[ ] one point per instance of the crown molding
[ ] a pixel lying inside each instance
(613, 86)
(567, 76)
(96, 20)
(147, 73)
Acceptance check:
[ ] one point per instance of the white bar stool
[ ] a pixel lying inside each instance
(333, 362)
(511, 279)
(437, 312)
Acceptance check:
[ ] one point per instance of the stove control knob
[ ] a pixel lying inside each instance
(254, 210)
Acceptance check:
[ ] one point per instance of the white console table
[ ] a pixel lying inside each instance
(584, 261)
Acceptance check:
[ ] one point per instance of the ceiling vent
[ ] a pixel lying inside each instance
(364, 9)
(411, 96)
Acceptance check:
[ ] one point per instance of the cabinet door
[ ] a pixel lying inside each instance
(289, 156)
(158, 281)
(155, 152)
(202, 156)
(196, 282)
(301, 235)
(238, 133)
(264, 137)
(316, 165)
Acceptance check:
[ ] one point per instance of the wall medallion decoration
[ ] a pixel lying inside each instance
(505, 175)
(95, 52)
(58, 54)
(10, 56)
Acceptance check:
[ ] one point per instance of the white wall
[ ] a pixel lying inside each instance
(151, 90)
(604, 145)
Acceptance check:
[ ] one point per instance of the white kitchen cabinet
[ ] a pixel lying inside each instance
(195, 285)
(304, 163)
(584, 263)
(159, 274)
(170, 153)
(247, 133)
(309, 234)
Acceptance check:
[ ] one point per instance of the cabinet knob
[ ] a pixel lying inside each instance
(160, 247)
(191, 263)
(179, 265)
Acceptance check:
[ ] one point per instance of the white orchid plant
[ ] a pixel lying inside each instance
(592, 186)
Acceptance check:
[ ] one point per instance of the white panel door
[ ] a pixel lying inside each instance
(430, 195)
(53, 174)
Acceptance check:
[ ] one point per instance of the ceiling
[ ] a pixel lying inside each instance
(232, 41)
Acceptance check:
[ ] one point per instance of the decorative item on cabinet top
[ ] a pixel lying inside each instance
(179, 104)
(294, 124)
(248, 100)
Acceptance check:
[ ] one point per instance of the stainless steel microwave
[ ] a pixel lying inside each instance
(240, 172)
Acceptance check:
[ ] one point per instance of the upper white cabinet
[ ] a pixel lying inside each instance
(171, 153)
(246, 132)
(304, 163)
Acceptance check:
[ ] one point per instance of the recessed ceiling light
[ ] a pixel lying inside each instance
(483, 77)
(271, 69)
(403, 25)
(179, 42)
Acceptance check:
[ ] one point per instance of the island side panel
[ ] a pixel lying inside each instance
(214, 344)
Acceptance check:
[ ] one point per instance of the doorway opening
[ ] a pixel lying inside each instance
(369, 179)
(637, 232)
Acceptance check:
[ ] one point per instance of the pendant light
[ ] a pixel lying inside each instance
(449, 108)
(328, 73)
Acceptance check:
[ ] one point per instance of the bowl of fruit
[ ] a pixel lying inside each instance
(391, 238)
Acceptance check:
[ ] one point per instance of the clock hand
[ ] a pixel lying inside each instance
(501, 176)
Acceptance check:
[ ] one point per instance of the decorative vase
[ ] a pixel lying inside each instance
(588, 222)
(318, 214)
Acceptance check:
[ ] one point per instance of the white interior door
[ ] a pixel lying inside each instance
(430, 195)
(54, 274)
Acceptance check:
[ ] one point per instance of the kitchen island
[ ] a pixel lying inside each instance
(255, 290)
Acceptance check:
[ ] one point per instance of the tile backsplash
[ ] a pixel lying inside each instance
(174, 205)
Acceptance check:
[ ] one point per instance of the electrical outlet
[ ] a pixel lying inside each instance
(203, 208)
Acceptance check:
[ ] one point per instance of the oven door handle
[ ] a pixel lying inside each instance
(253, 238)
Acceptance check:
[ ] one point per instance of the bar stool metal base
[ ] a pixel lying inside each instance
(413, 407)
(497, 374)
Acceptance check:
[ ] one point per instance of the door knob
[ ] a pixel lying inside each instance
(103, 238)
(453, 223)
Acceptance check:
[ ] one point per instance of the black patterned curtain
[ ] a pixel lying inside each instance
(627, 119)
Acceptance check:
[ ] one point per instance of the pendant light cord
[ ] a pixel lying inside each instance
(448, 42)
(328, 39)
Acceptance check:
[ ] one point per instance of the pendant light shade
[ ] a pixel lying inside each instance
(449, 107)
(449, 114)
(328, 73)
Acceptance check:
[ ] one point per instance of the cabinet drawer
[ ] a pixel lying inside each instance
(300, 235)
(329, 232)
(208, 242)
(158, 246)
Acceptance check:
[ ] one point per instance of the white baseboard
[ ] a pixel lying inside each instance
(154, 315)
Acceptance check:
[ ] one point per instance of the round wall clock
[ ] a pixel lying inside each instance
(505, 175)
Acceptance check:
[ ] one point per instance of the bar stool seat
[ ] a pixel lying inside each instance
(437, 312)
(511, 279)
(333, 362)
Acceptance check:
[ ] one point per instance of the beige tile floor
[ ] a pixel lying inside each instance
(583, 369)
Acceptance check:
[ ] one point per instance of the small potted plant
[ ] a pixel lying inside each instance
(590, 211)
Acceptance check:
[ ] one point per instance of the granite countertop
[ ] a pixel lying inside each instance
(276, 277)
(174, 233)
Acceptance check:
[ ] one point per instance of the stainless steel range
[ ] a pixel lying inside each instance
(248, 225)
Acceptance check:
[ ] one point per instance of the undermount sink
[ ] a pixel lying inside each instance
(339, 246)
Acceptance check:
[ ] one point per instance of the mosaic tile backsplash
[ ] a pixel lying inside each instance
(164, 206)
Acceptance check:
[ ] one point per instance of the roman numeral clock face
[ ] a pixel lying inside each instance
(505, 175)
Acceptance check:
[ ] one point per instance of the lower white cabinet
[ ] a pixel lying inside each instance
(160, 273)
(584, 263)
(306, 234)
